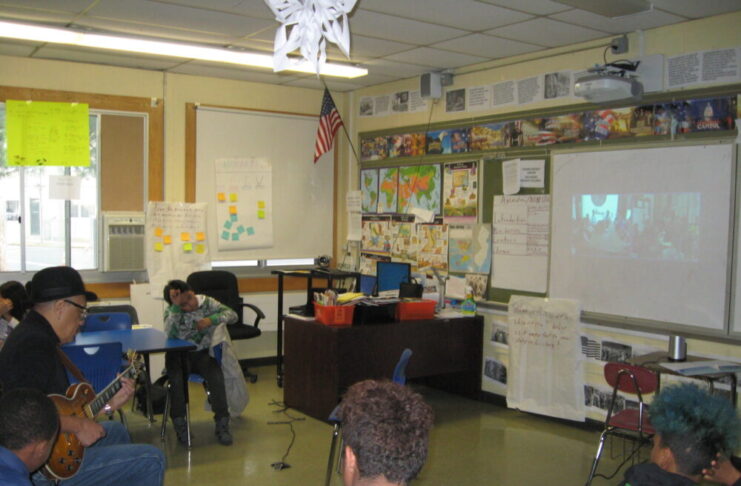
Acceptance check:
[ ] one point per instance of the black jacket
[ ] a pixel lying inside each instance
(650, 474)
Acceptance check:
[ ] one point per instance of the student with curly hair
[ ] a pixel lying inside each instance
(385, 428)
(692, 428)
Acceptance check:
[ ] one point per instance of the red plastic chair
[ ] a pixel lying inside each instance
(629, 423)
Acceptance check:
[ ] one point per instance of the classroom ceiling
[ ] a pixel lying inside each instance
(393, 39)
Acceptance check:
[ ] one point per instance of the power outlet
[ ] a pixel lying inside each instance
(619, 45)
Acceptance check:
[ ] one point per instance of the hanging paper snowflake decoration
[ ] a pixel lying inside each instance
(307, 25)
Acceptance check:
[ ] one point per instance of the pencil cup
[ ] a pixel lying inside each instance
(677, 348)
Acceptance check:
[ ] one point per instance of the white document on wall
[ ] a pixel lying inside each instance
(511, 176)
(545, 373)
(244, 203)
(521, 230)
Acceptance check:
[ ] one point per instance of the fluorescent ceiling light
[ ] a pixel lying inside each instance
(610, 8)
(12, 30)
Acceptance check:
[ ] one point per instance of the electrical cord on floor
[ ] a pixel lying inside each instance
(282, 464)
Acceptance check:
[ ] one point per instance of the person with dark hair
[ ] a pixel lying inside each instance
(13, 304)
(29, 423)
(692, 428)
(385, 429)
(194, 318)
(724, 470)
(32, 357)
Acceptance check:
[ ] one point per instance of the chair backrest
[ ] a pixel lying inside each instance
(99, 363)
(400, 376)
(107, 321)
(632, 379)
(220, 285)
(127, 308)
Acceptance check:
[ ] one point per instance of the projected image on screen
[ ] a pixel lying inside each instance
(652, 226)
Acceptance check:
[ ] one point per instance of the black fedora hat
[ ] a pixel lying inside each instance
(55, 283)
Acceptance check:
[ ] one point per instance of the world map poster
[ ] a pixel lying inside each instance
(419, 188)
(388, 189)
(369, 190)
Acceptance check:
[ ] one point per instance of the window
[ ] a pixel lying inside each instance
(40, 231)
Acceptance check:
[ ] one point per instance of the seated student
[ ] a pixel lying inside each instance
(194, 318)
(385, 428)
(31, 357)
(13, 304)
(726, 471)
(28, 426)
(692, 427)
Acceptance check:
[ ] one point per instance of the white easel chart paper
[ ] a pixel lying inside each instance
(244, 203)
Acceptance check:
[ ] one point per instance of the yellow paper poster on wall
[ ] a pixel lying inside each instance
(47, 133)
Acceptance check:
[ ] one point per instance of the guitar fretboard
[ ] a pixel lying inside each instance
(104, 396)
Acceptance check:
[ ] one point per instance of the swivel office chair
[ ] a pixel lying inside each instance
(223, 286)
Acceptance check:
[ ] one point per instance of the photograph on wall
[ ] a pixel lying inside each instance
(455, 100)
(438, 142)
(419, 188)
(374, 148)
(469, 248)
(499, 334)
(495, 371)
(388, 189)
(375, 234)
(477, 282)
(713, 114)
(369, 190)
(512, 134)
(396, 146)
(550, 130)
(606, 124)
(433, 246)
(460, 192)
(459, 140)
(400, 102)
(366, 106)
(557, 85)
(413, 145)
(599, 398)
(486, 137)
(612, 351)
(642, 121)
(404, 241)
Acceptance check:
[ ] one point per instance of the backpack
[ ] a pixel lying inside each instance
(158, 392)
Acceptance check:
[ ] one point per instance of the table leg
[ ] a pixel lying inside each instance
(184, 364)
(279, 359)
(148, 389)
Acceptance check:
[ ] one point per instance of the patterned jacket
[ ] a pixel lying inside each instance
(182, 325)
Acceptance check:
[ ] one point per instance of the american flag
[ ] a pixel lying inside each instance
(329, 123)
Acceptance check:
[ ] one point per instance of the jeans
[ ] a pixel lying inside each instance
(114, 460)
(198, 362)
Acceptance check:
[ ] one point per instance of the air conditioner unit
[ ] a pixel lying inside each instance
(123, 241)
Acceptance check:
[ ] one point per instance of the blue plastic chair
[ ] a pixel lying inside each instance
(399, 377)
(107, 321)
(99, 364)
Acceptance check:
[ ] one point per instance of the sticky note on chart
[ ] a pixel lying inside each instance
(224, 235)
(200, 236)
(232, 209)
(188, 247)
(233, 197)
(235, 236)
(233, 217)
(200, 248)
(228, 224)
(159, 246)
(167, 240)
(221, 197)
(158, 232)
(261, 204)
(260, 214)
(184, 236)
(250, 230)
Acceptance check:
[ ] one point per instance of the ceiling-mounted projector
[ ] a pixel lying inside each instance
(611, 82)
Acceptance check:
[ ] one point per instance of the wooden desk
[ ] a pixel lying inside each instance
(653, 361)
(321, 362)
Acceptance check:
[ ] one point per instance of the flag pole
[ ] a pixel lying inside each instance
(344, 128)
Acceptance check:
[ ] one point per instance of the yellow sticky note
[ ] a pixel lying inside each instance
(158, 232)
(159, 246)
(200, 248)
(261, 204)
(167, 240)
(200, 236)
(221, 196)
(261, 214)
(232, 209)
(233, 197)
(184, 236)
(187, 246)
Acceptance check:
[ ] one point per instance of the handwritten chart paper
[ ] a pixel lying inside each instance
(47, 133)
(545, 373)
(520, 243)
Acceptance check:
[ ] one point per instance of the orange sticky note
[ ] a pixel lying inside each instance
(184, 236)
(187, 246)
(232, 209)
(158, 246)
(200, 248)
(221, 196)
(167, 240)
(233, 197)
(200, 236)
(261, 204)
(158, 231)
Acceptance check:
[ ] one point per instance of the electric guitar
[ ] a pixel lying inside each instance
(81, 401)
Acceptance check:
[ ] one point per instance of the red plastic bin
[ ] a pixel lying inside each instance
(414, 310)
(334, 315)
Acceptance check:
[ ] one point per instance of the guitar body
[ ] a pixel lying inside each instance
(66, 455)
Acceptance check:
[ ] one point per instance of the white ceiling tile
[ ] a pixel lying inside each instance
(398, 69)
(198, 68)
(152, 32)
(249, 8)
(32, 15)
(313, 82)
(537, 7)
(547, 32)
(697, 8)
(160, 14)
(618, 25)
(436, 57)
(97, 56)
(18, 49)
(69, 6)
(462, 14)
(389, 27)
(362, 47)
(486, 46)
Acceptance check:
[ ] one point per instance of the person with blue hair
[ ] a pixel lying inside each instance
(692, 428)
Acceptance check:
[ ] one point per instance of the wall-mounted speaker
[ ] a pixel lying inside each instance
(430, 85)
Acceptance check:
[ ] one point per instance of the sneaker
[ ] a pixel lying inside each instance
(222, 431)
(181, 429)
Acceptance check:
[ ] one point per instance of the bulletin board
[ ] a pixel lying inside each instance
(265, 197)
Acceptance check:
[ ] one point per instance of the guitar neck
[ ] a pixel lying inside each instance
(107, 393)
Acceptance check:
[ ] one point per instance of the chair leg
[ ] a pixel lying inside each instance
(166, 411)
(332, 447)
(597, 456)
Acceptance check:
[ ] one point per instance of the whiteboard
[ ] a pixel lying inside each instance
(644, 233)
(301, 205)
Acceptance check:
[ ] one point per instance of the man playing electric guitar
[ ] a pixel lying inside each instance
(30, 358)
